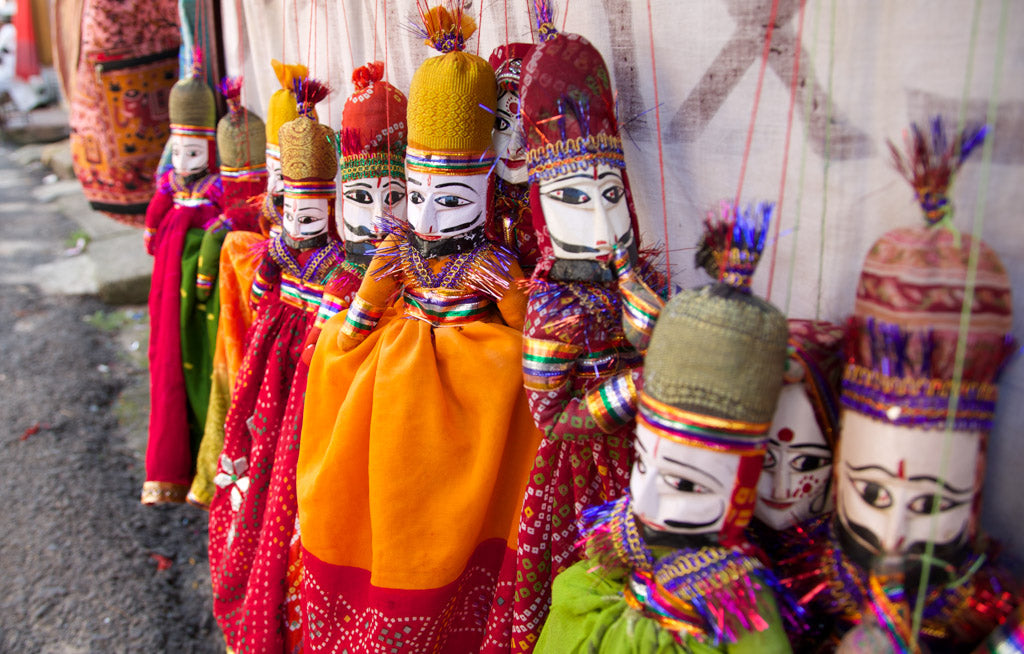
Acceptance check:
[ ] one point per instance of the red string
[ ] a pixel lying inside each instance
(348, 38)
(375, 4)
(312, 37)
(479, 28)
(506, 25)
(661, 158)
(284, 35)
(785, 148)
(753, 113)
(565, 17)
(531, 21)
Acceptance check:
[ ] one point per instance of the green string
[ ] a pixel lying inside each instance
(828, 156)
(972, 270)
(808, 96)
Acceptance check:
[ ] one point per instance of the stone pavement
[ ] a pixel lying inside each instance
(112, 263)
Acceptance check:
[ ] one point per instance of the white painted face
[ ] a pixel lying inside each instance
(189, 154)
(586, 212)
(888, 482)
(509, 141)
(275, 182)
(304, 218)
(681, 489)
(442, 206)
(365, 202)
(798, 464)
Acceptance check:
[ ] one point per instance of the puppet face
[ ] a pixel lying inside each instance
(681, 489)
(275, 182)
(889, 480)
(508, 139)
(365, 202)
(189, 154)
(586, 213)
(304, 218)
(442, 206)
(794, 483)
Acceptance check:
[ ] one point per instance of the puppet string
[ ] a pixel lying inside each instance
(828, 158)
(753, 112)
(807, 108)
(785, 148)
(661, 158)
(970, 283)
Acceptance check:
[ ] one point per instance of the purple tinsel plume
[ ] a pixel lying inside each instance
(932, 155)
(231, 89)
(545, 20)
(309, 92)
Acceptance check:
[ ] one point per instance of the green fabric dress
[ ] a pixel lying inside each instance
(590, 614)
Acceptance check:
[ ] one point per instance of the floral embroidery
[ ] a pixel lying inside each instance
(232, 473)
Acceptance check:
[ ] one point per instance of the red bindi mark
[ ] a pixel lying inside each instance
(901, 471)
(807, 488)
(513, 107)
(785, 435)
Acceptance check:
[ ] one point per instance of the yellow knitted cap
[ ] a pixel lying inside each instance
(282, 106)
(452, 101)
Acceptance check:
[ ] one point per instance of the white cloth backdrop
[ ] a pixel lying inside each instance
(886, 64)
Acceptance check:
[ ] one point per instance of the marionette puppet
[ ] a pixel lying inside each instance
(286, 298)
(512, 220)
(667, 568)
(411, 475)
(579, 370)
(188, 199)
(372, 149)
(910, 463)
(252, 222)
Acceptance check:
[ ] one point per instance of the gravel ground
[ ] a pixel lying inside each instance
(84, 567)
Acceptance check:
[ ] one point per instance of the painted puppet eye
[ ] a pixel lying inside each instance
(874, 494)
(416, 197)
(925, 504)
(451, 201)
(394, 197)
(359, 195)
(614, 194)
(501, 124)
(809, 462)
(769, 460)
(685, 485)
(569, 195)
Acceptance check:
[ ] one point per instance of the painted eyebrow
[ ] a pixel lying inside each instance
(640, 445)
(944, 484)
(358, 184)
(801, 446)
(412, 180)
(446, 184)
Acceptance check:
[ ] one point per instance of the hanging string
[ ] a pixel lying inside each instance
(506, 25)
(530, 21)
(970, 283)
(753, 113)
(828, 159)
(309, 42)
(661, 156)
(284, 34)
(348, 37)
(565, 16)
(807, 109)
(327, 53)
(785, 148)
(479, 28)
(376, 3)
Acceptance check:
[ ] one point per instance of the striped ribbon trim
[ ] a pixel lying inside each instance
(613, 403)
(330, 306)
(597, 364)
(440, 311)
(309, 188)
(563, 157)
(259, 288)
(546, 364)
(194, 130)
(257, 170)
(273, 152)
(639, 312)
(301, 294)
(698, 430)
(204, 281)
(448, 163)
(361, 318)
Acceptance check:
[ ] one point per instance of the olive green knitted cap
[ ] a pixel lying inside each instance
(241, 139)
(719, 350)
(192, 104)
